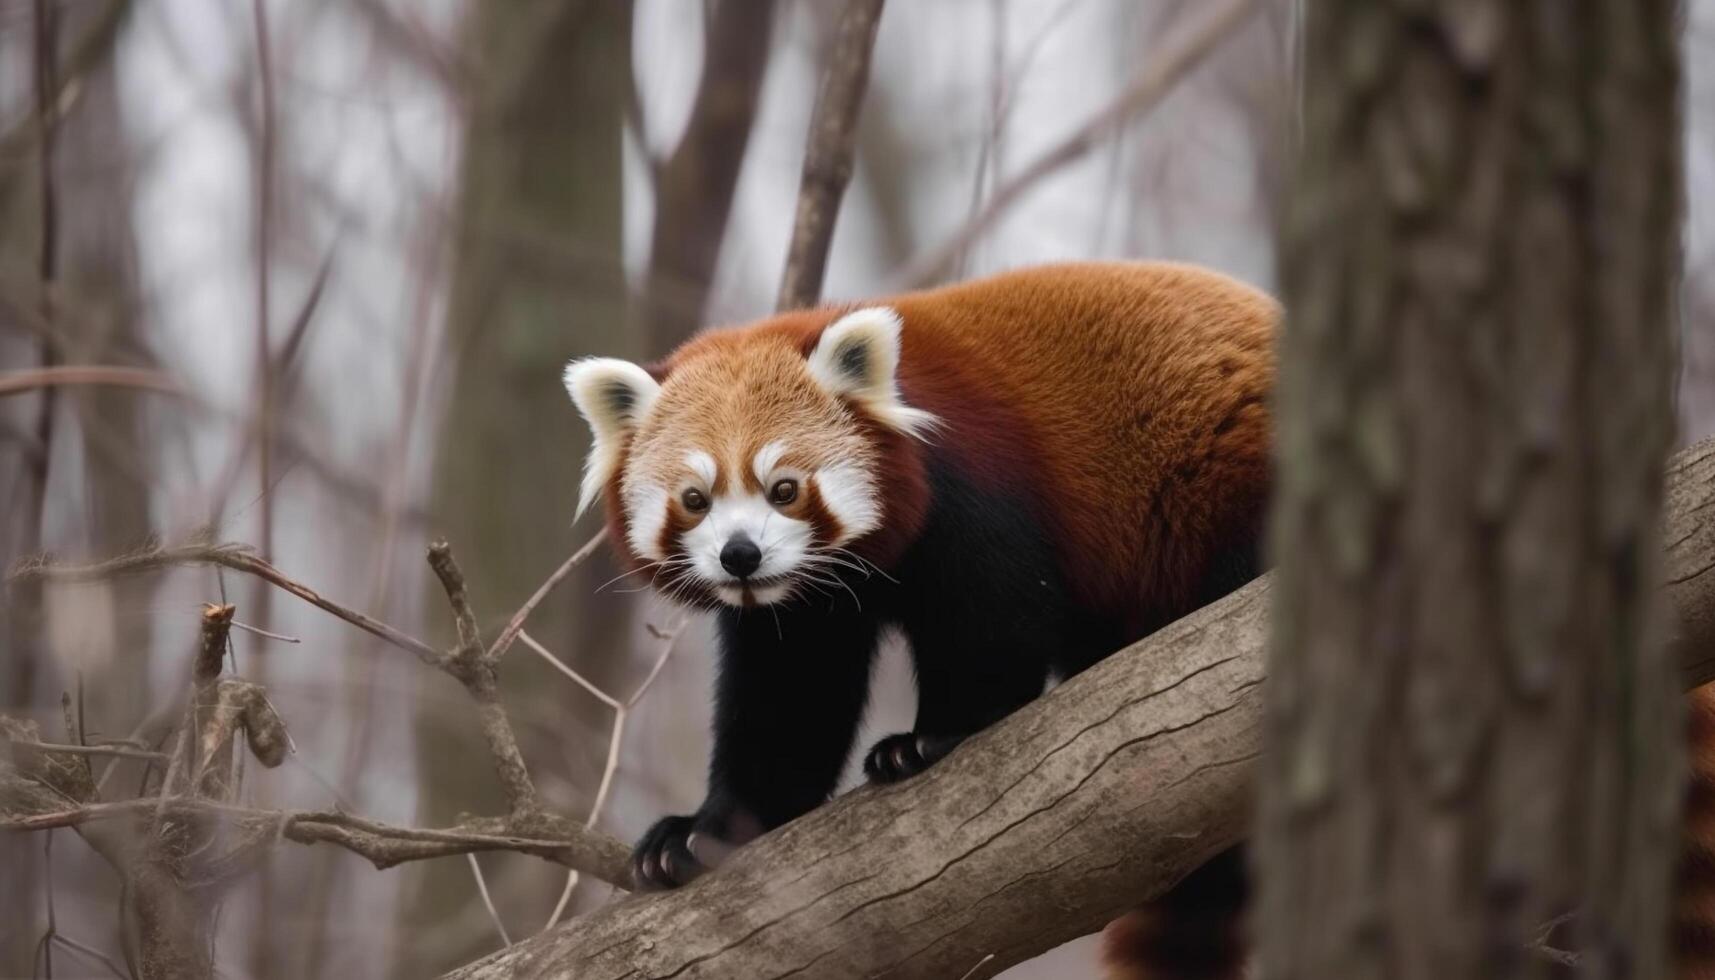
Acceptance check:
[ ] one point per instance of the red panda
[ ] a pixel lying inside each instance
(1021, 474)
(1693, 921)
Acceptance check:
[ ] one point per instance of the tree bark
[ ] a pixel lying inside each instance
(1469, 704)
(1095, 798)
(694, 187)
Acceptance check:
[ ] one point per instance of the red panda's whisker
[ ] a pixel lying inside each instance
(834, 580)
(823, 560)
(854, 556)
(635, 571)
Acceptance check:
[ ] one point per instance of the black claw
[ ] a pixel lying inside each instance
(662, 860)
(897, 757)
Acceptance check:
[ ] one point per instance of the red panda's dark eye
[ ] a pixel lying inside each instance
(694, 501)
(783, 492)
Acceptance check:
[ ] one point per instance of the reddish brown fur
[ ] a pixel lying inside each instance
(1129, 398)
(1132, 401)
(1694, 891)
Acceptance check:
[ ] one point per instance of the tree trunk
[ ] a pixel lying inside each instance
(695, 185)
(1471, 712)
(109, 486)
(537, 279)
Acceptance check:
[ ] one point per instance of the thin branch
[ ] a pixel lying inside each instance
(258, 631)
(85, 52)
(1145, 91)
(476, 671)
(503, 642)
(458, 596)
(264, 191)
(46, 43)
(547, 836)
(670, 639)
(560, 665)
(487, 900)
(610, 767)
(113, 376)
(528, 828)
(53, 916)
(232, 556)
(117, 752)
(828, 157)
(565, 898)
(90, 953)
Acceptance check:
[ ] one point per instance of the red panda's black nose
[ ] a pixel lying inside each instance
(740, 556)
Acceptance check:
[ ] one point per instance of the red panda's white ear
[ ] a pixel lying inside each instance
(857, 357)
(614, 396)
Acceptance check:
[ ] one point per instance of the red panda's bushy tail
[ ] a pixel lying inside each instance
(1194, 932)
(1694, 885)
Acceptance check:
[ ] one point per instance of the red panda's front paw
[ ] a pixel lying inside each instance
(905, 755)
(663, 859)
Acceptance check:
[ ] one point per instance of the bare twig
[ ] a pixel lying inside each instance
(972, 971)
(669, 638)
(527, 828)
(258, 631)
(114, 376)
(564, 900)
(114, 751)
(616, 735)
(487, 901)
(230, 556)
(547, 836)
(447, 570)
(90, 953)
(828, 157)
(87, 50)
(1156, 80)
(46, 45)
(476, 671)
(47, 943)
(264, 231)
(503, 642)
(560, 665)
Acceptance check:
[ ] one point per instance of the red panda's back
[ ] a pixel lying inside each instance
(1132, 396)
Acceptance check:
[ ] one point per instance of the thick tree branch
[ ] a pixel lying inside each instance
(1096, 797)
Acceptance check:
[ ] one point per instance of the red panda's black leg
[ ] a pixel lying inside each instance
(983, 604)
(953, 705)
(792, 686)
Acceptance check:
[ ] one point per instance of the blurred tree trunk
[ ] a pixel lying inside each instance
(541, 186)
(100, 503)
(695, 185)
(1473, 723)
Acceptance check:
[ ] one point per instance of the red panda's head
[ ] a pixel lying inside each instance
(747, 474)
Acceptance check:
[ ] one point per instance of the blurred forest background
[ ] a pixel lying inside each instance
(363, 236)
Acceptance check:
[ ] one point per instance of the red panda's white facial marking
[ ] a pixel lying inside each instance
(743, 471)
(741, 511)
